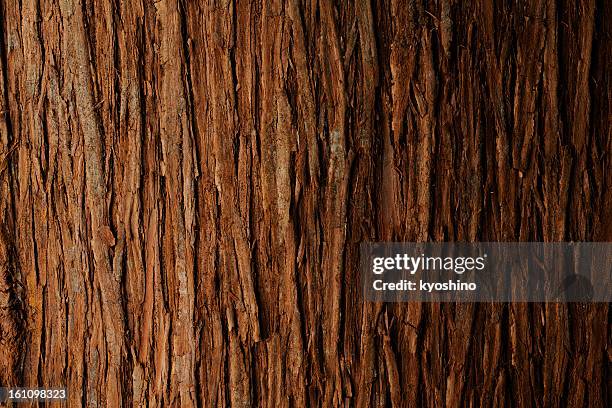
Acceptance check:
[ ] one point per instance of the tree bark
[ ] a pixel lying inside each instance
(184, 186)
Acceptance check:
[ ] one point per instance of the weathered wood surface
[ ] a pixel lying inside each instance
(184, 184)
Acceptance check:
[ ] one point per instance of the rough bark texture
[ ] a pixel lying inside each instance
(184, 185)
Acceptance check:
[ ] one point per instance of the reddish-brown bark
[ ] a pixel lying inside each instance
(184, 185)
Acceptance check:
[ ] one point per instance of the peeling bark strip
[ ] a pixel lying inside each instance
(184, 185)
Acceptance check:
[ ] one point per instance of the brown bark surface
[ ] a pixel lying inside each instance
(184, 186)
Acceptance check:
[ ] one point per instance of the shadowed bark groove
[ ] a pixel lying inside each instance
(184, 186)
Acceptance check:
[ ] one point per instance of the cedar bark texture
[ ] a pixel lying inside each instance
(184, 186)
